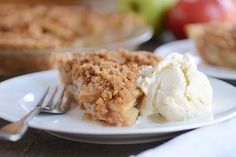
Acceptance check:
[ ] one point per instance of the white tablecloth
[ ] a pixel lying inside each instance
(218, 140)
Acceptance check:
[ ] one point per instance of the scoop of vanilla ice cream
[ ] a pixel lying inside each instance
(175, 89)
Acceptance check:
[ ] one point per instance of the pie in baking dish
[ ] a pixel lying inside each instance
(103, 83)
(24, 26)
(28, 33)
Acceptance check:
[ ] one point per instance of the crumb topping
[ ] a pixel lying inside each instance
(25, 26)
(108, 78)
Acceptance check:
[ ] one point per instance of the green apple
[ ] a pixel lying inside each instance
(153, 11)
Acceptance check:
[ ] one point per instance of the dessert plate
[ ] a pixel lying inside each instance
(187, 46)
(20, 94)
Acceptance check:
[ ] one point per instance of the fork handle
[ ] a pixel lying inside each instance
(14, 131)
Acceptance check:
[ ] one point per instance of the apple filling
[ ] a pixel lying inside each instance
(103, 83)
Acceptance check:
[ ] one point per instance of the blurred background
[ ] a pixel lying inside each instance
(106, 5)
(162, 15)
(97, 24)
(171, 15)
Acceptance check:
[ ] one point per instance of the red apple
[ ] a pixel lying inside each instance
(199, 11)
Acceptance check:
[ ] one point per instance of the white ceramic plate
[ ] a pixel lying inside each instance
(20, 94)
(187, 46)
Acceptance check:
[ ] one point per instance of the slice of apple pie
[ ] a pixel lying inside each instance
(103, 83)
(215, 42)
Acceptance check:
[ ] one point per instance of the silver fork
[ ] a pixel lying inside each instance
(15, 130)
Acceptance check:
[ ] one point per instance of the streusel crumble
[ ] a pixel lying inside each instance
(103, 83)
(24, 26)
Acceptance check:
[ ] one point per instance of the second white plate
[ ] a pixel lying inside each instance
(187, 46)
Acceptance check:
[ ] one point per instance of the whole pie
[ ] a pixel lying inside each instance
(29, 33)
(103, 83)
(24, 26)
(215, 42)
